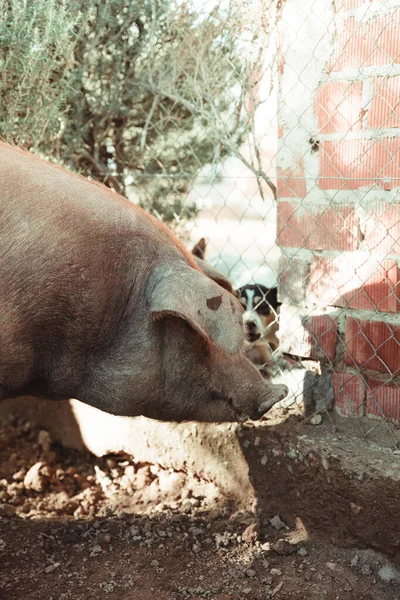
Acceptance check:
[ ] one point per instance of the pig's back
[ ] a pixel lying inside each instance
(70, 250)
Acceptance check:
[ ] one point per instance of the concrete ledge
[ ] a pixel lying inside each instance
(328, 484)
(209, 450)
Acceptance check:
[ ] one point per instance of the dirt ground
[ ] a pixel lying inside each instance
(76, 527)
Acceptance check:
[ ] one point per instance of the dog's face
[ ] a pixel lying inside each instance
(260, 304)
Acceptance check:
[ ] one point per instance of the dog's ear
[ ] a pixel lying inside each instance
(272, 297)
(210, 310)
(199, 249)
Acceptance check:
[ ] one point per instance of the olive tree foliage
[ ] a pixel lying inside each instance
(138, 94)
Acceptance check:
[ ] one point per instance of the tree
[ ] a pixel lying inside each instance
(139, 95)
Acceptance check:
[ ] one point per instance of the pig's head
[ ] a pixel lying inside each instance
(199, 329)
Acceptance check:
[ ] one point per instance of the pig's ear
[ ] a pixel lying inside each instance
(210, 310)
(214, 274)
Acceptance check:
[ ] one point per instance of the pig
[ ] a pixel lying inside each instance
(99, 301)
(198, 252)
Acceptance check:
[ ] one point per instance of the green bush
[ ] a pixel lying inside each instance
(137, 94)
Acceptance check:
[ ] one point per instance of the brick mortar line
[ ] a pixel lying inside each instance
(368, 10)
(364, 134)
(290, 253)
(342, 313)
(352, 74)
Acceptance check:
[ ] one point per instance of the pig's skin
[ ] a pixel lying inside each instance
(100, 302)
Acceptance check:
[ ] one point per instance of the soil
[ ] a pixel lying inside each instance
(73, 526)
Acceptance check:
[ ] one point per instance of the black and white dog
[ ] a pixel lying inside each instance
(261, 316)
(261, 320)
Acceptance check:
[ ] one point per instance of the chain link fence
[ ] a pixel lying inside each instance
(272, 129)
(330, 140)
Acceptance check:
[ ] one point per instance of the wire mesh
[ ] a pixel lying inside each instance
(269, 128)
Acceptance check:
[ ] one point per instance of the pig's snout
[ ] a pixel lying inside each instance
(274, 394)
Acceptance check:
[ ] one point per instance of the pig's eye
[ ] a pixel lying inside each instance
(257, 299)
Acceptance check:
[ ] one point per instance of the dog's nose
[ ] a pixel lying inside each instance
(251, 326)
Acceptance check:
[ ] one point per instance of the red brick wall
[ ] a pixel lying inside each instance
(338, 220)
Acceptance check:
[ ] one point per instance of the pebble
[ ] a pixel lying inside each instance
(171, 484)
(154, 563)
(250, 573)
(44, 440)
(246, 591)
(283, 548)
(7, 510)
(302, 551)
(387, 574)
(275, 572)
(277, 522)
(250, 534)
(196, 548)
(277, 589)
(37, 477)
(316, 420)
(52, 567)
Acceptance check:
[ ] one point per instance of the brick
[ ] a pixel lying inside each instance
(385, 106)
(373, 345)
(342, 5)
(338, 107)
(294, 278)
(352, 164)
(291, 182)
(383, 400)
(334, 227)
(374, 42)
(308, 335)
(382, 231)
(356, 281)
(349, 390)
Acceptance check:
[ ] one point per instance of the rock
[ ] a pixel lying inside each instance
(251, 534)
(355, 508)
(275, 572)
(187, 506)
(387, 574)
(196, 548)
(7, 510)
(143, 478)
(44, 440)
(154, 563)
(302, 551)
(52, 567)
(277, 522)
(355, 560)
(103, 539)
(19, 475)
(250, 573)
(316, 419)
(171, 484)
(277, 589)
(323, 393)
(27, 427)
(325, 463)
(37, 477)
(283, 548)
(246, 591)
